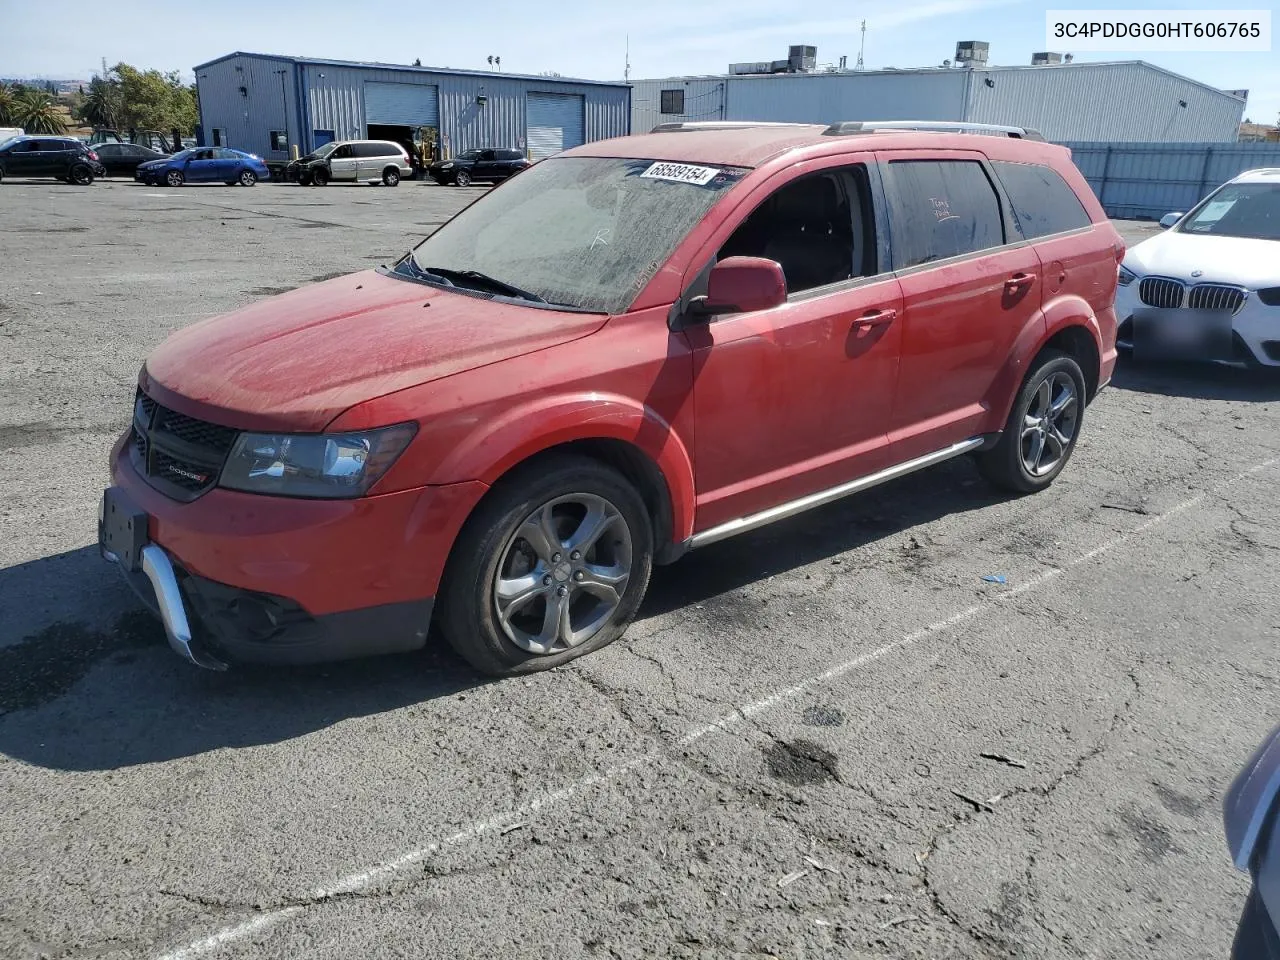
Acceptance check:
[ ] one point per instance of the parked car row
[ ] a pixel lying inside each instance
(60, 158)
(73, 161)
(382, 161)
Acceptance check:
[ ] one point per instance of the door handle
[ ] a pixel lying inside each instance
(1018, 281)
(876, 318)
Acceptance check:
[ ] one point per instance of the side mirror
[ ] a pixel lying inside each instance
(743, 285)
(1169, 219)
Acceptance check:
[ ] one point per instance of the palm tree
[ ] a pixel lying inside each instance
(35, 113)
(101, 104)
(6, 104)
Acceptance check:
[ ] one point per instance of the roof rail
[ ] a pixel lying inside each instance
(685, 125)
(850, 127)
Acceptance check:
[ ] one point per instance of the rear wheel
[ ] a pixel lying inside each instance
(462, 178)
(319, 176)
(1042, 429)
(391, 177)
(248, 178)
(174, 178)
(81, 175)
(552, 565)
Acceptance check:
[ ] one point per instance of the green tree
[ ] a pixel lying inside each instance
(35, 112)
(151, 100)
(6, 104)
(102, 103)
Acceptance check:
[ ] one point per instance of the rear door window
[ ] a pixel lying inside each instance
(940, 209)
(1042, 201)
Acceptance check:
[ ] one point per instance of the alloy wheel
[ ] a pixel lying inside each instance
(563, 573)
(1050, 423)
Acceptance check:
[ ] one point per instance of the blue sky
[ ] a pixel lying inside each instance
(578, 38)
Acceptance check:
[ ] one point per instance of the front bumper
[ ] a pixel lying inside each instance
(1255, 327)
(244, 578)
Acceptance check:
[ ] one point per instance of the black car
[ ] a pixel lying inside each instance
(483, 166)
(122, 159)
(61, 158)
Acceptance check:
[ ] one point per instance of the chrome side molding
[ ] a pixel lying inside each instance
(823, 497)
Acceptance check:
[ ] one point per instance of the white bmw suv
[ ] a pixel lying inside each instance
(1208, 288)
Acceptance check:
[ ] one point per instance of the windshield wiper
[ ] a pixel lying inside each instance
(483, 279)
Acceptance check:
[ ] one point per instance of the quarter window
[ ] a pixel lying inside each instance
(942, 209)
(1041, 200)
(672, 101)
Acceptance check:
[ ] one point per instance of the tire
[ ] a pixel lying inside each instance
(1, 174)
(568, 491)
(391, 177)
(462, 178)
(1034, 433)
(247, 178)
(319, 176)
(81, 175)
(174, 178)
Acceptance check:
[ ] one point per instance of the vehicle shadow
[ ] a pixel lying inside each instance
(1197, 381)
(721, 569)
(88, 682)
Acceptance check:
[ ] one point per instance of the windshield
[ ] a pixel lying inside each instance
(586, 232)
(319, 153)
(468, 155)
(1239, 210)
(184, 155)
(8, 140)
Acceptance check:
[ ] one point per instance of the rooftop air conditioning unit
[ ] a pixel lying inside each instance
(972, 52)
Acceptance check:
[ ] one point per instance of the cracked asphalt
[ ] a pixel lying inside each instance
(783, 758)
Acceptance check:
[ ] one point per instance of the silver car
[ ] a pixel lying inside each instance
(352, 161)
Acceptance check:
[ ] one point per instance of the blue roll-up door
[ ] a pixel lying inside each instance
(403, 104)
(555, 122)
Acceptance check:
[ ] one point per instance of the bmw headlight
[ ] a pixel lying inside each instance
(331, 465)
(1127, 276)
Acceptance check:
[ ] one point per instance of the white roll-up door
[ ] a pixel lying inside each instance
(405, 104)
(555, 121)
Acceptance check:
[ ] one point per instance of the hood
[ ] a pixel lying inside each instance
(296, 361)
(1250, 263)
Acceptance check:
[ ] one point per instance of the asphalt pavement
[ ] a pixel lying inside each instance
(829, 738)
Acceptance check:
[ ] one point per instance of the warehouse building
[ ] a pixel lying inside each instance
(1120, 101)
(270, 104)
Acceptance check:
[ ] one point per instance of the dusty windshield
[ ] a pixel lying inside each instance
(586, 232)
(319, 153)
(1249, 210)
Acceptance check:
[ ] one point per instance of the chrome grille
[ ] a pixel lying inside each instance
(179, 455)
(1216, 296)
(1161, 292)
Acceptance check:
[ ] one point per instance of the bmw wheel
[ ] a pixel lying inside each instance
(552, 565)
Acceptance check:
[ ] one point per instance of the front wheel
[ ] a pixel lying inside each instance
(1042, 428)
(462, 178)
(248, 178)
(174, 178)
(320, 176)
(391, 177)
(552, 565)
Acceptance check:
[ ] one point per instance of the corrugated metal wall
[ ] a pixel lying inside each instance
(704, 99)
(249, 118)
(1148, 180)
(1104, 102)
(332, 98)
(828, 98)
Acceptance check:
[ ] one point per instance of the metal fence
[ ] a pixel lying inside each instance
(1147, 180)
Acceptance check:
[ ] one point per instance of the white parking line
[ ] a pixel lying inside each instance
(363, 879)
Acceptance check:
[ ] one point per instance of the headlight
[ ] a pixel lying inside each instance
(447, 166)
(314, 465)
(1127, 276)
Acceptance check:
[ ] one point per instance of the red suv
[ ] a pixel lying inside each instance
(635, 348)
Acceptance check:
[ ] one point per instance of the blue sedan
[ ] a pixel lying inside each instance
(204, 165)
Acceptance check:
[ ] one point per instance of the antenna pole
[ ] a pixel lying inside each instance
(626, 70)
(863, 45)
